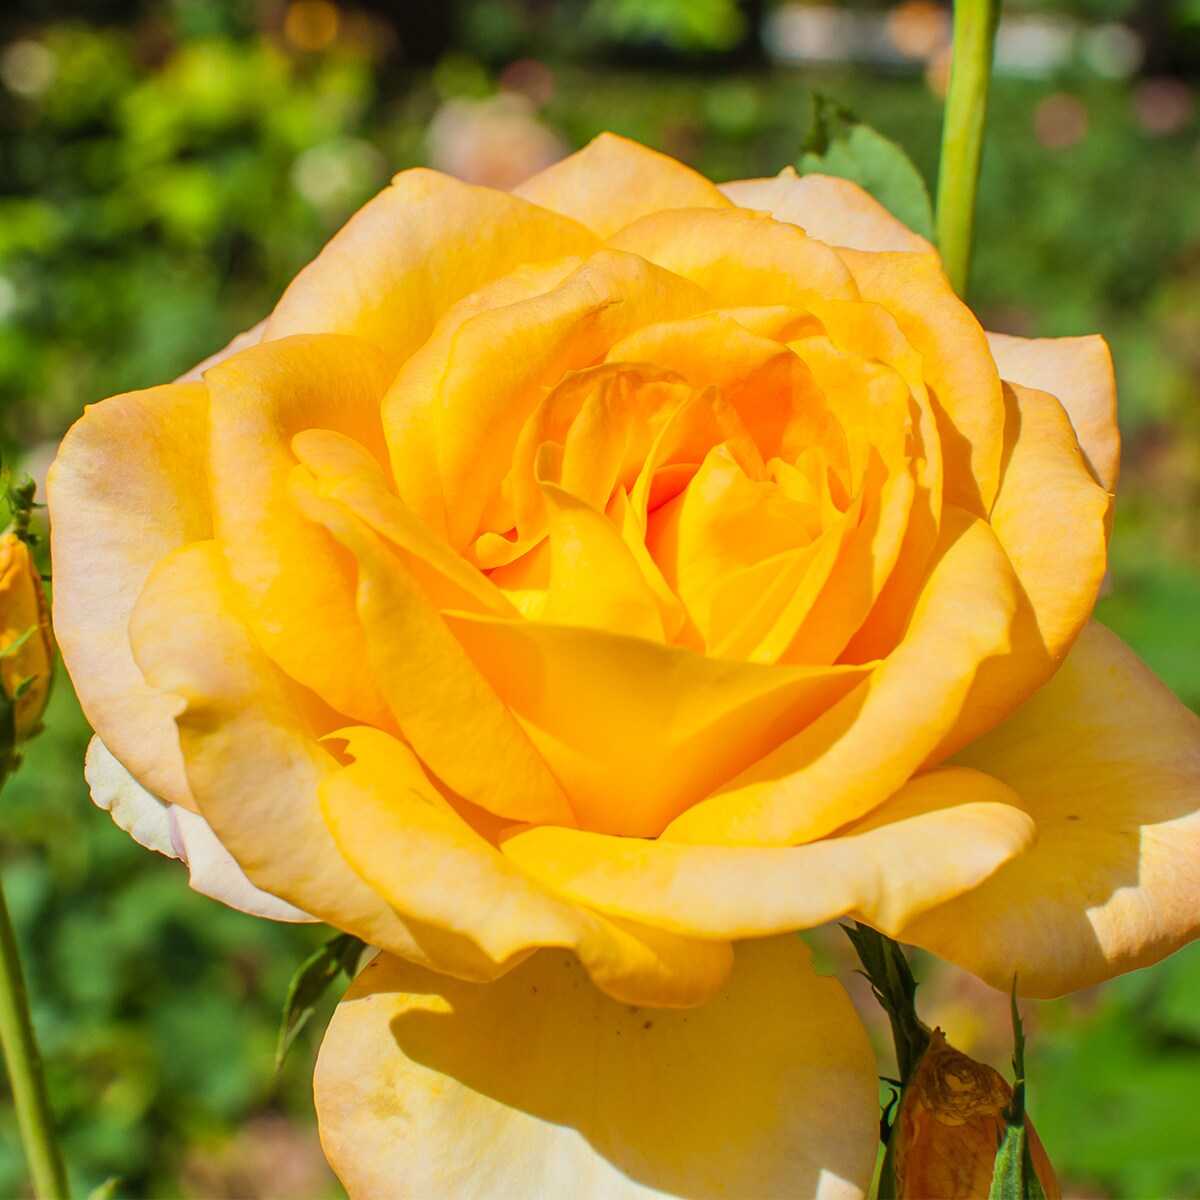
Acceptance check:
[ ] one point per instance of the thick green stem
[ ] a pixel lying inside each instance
(962, 134)
(24, 1062)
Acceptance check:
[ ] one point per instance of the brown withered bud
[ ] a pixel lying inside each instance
(949, 1127)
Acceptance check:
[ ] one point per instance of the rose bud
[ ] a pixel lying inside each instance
(26, 643)
(949, 1127)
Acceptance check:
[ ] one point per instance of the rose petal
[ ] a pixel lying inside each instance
(129, 485)
(412, 252)
(248, 735)
(444, 706)
(613, 181)
(178, 833)
(540, 1086)
(864, 748)
(886, 871)
(1078, 371)
(740, 257)
(1107, 762)
(297, 588)
(655, 727)
(383, 811)
(1050, 518)
(959, 368)
(834, 210)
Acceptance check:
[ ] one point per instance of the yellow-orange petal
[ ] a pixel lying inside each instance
(410, 253)
(428, 863)
(885, 871)
(249, 739)
(497, 365)
(740, 257)
(959, 369)
(864, 748)
(613, 181)
(540, 1086)
(636, 730)
(1107, 761)
(833, 210)
(129, 485)
(295, 583)
(1078, 371)
(1050, 518)
(445, 708)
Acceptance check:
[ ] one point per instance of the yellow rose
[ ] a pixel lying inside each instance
(569, 584)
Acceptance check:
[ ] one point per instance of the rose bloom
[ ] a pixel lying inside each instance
(563, 586)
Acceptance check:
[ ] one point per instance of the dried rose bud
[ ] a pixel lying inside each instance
(949, 1128)
(26, 643)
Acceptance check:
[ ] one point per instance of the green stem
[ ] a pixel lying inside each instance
(24, 1062)
(962, 134)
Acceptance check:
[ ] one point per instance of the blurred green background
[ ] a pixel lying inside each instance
(166, 168)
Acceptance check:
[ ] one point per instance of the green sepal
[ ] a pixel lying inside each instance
(1013, 1177)
(838, 143)
(891, 979)
(316, 973)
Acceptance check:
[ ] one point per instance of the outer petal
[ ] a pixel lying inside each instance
(1079, 372)
(613, 181)
(1050, 519)
(539, 1087)
(421, 856)
(242, 341)
(248, 735)
(178, 833)
(412, 252)
(885, 871)
(865, 747)
(740, 257)
(129, 485)
(297, 589)
(1108, 763)
(834, 210)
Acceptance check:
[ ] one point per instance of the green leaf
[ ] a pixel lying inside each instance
(308, 985)
(106, 1190)
(1013, 1176)
(838, 143)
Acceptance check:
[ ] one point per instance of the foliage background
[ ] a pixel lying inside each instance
(165, 168)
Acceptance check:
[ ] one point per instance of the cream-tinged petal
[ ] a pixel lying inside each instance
(539, 1087)
(864, 748)
(833, 210)
(886, 870)
(295, 584)
(413, 251)
(1050, 518)
(613, 181)
(1078, 371)
(178, 833)
(429, 863)
(1107, 761)
(139, 812)
(249, 736)
(129, 485)
(214, 872)
(444, 706)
